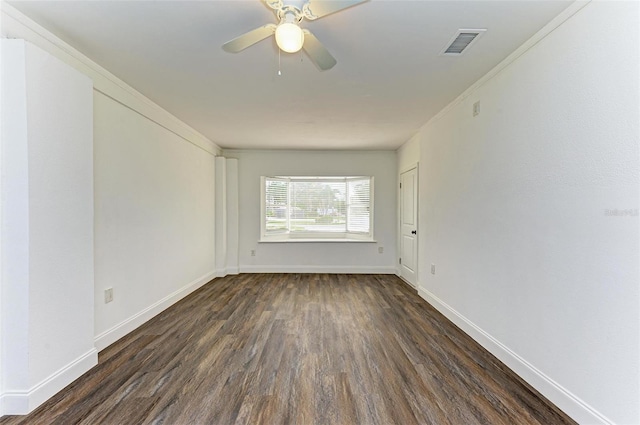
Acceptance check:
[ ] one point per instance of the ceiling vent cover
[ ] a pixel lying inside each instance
(461, 41)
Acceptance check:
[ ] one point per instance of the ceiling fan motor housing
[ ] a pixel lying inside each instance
(289, 14)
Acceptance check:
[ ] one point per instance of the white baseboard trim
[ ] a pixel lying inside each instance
(108, 337)
(24, 402)
(319, 269)
(226, 271)
(572, 405)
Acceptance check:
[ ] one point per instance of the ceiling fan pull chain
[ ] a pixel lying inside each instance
(279, 72)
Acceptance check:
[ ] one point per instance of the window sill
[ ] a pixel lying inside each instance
(316, 240)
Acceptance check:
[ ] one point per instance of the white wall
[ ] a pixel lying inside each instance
(408, 155)
(513, 212)
(154, 180)
(232, 264)
(47, 226)
(316, 257)
(226, 216)
(221, 215)
(154, 218)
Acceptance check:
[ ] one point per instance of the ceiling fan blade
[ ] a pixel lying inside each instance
(249, 39)
(314, 9)
(317, 52)
(274, 4)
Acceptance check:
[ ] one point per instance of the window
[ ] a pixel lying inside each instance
(317, 208)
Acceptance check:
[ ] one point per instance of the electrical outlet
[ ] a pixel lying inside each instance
(433, 269)
(476, 108)
(380, 250)
(253, 252)
(108, 295)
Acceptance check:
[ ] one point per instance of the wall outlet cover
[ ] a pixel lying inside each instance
(108, 295)
(476, 108)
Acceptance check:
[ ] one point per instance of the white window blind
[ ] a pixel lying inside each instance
(277, 201)
(317, 207)
(358, 205)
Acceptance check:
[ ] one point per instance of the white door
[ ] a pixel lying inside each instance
(409, 226)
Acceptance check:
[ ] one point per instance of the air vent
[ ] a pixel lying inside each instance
(461, 41)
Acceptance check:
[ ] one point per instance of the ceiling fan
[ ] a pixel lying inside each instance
(290, 37)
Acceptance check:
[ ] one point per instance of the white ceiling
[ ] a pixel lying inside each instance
(388, 82)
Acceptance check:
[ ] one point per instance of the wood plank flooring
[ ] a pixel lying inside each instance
(298, 349)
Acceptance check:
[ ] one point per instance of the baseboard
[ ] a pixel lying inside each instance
(113, 334)
(572, 405)
(319, 269)
(24, 402)
(226, 271)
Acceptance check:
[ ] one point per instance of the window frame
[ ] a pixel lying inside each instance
(289, 236)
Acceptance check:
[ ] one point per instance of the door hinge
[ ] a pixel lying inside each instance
(400, 185)
(400, 260)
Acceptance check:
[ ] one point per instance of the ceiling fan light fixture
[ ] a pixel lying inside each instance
(289, 37)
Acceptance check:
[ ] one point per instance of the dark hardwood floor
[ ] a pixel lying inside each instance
(298, 349)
